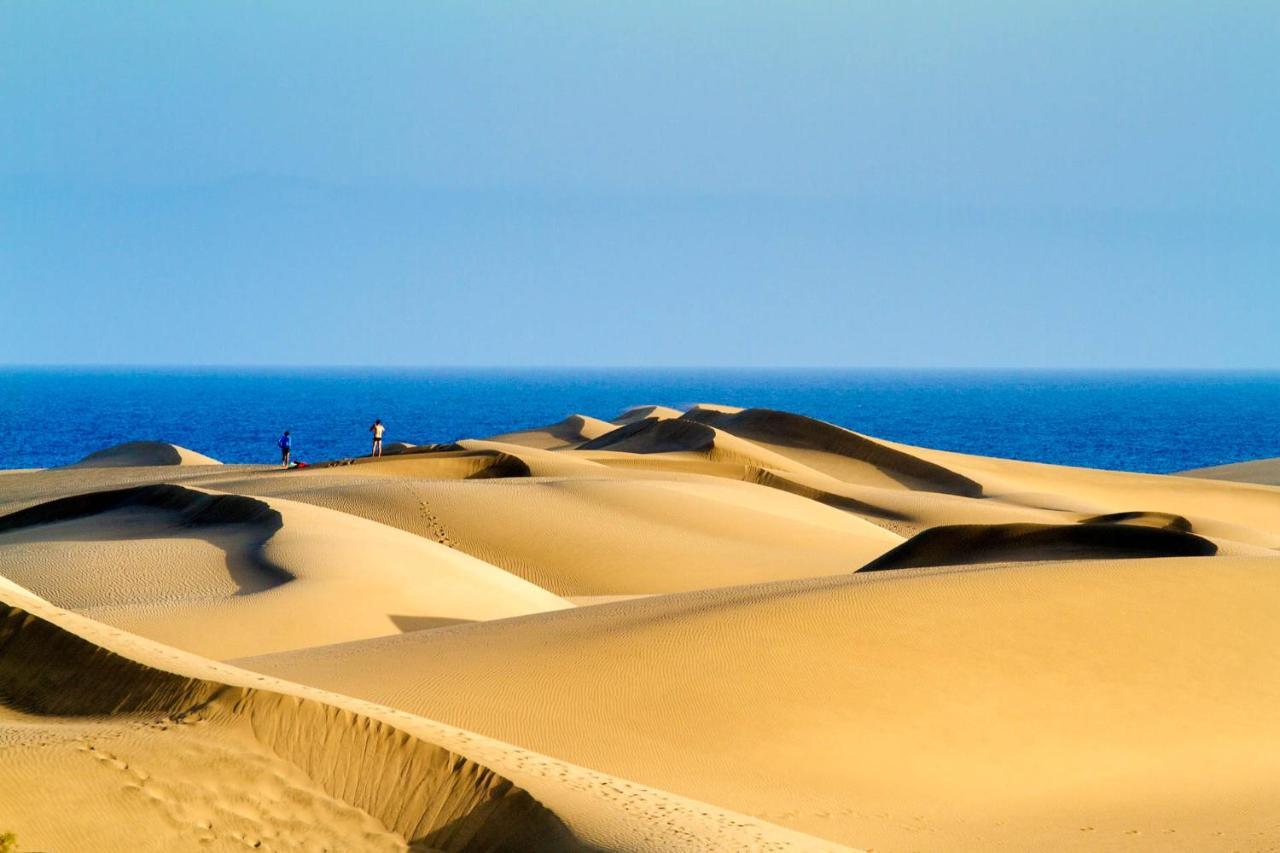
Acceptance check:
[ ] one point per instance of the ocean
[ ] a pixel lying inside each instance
(1156, 422)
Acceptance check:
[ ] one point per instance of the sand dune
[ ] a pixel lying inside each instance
(899, 710)
(653, 435)
(677, 435)
(969, 544)
(228, 575)
(120, 547)
(608, 535)
(1244, 512)
(144, 453)
(798, 455)
(449, 462)
(836, 451)
(639, 413)
(20, 490)
(697, 606)
(165, 751)
(569, 432)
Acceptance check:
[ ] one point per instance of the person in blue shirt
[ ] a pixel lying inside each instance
(285, 444)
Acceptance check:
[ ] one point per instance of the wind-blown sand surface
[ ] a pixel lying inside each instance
(1264, 471)
(723, 629)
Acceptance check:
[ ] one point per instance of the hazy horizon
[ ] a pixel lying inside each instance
(624, 368)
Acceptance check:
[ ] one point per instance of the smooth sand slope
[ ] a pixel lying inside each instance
(1082, 705)
(570, 432)
(138, 747)
(1262, 471)
(601, 531)
(872, 644)
(226, 575)
(1238, 510)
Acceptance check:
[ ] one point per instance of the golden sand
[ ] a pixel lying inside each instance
(723, 630)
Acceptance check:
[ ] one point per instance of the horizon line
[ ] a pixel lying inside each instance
(385, 368)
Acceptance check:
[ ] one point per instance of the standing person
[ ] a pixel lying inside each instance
(285, 444)
(377, 429)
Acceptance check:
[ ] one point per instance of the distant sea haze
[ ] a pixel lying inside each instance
(1157, 422)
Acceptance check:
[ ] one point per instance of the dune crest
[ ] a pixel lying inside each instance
(834, 450)
(354, 775)
(144, 453)
(655, 435)
(639, 413)
(430, 796)
(570, 432)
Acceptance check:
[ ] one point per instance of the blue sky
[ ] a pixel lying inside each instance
(1012, 184)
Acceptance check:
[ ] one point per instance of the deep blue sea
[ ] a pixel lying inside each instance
(1157, 422)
